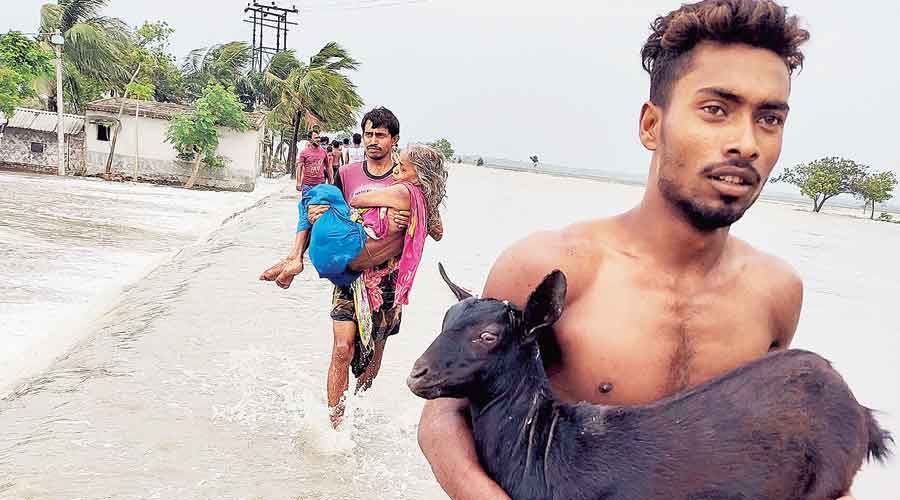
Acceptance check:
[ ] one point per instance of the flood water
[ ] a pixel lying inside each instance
(199, 381)
(69, 245)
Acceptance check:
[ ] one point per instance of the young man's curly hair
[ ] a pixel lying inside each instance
(758, 23)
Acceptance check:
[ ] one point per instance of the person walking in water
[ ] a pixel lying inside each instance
(380, 258)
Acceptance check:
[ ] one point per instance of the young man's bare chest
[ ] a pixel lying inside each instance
(632, 336)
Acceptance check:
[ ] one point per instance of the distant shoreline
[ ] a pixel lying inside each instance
(560, 173)
(833, 208)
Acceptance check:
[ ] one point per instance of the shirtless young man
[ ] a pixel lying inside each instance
(661, 298)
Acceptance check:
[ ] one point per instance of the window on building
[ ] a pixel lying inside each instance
(102, 132)
(37, 147)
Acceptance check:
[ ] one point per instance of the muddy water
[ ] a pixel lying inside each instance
(202, 382)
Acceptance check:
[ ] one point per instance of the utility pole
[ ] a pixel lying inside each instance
(57, 40)
(262, 17)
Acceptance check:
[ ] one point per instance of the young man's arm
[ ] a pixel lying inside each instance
(301, 172)
(444, 434)
(445, 438)
(329, 169)
(787, 302)
(378, 252)
(396, 196)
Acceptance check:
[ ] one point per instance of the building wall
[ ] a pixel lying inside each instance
(159, 161)
(75, 163)
(15, 151)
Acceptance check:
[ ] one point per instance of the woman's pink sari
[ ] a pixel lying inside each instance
(413, 247)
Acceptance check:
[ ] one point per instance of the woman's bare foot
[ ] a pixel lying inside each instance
(271, 273)
(290, 269)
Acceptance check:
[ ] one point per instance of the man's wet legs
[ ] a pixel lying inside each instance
(339, 370)
(364, 381)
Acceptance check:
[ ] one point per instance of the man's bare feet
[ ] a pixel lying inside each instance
(290, 269)
(337, 415)
(271, 273)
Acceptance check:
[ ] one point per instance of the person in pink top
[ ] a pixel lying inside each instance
(381, 260)
(312, 167)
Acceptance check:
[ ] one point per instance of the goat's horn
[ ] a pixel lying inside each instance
(460, 292)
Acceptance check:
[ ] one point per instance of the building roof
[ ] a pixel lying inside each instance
(158, 110)
(44, 121)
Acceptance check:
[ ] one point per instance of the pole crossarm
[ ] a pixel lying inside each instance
(262, 18)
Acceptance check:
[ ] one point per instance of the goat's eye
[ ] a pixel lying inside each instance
(488, 337)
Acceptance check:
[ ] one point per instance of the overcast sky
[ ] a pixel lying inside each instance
(561, 78)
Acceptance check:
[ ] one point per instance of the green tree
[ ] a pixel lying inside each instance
(150, 53)
(823, 179)
(194, 134)
(140, 91)
(876, 188)
(22, 61)
(95, 46)
(155, 36)
(313, 92)
(443, 146)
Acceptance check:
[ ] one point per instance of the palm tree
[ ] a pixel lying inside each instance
(226, 64)
(314, 91)
(94, 46)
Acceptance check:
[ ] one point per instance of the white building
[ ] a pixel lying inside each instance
(142, 152)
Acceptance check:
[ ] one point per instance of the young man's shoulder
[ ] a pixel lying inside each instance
(775, 279)
(766, 268)
(576, 250)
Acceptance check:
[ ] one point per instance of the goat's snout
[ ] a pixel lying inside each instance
(425, 382)
(416, 379)
(418, 372)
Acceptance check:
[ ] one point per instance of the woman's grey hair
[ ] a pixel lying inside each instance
(432, 178)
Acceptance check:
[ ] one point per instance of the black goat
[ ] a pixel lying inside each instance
(782, 427)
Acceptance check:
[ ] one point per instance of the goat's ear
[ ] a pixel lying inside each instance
(545, 304)
(460, 292)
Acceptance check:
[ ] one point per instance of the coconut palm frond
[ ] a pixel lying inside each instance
(282, 64)
(51, 16)
(91, 51)
(234, 57)
(196, 60)
(116, 29)
(77, 11)
(334, 58)
(225, 63)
